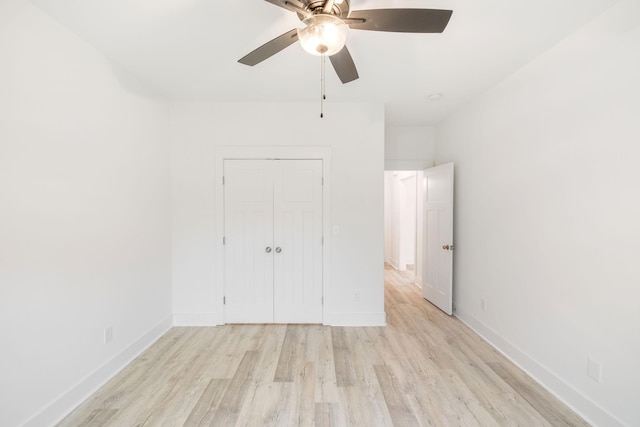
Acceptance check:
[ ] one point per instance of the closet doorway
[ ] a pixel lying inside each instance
(273, 221)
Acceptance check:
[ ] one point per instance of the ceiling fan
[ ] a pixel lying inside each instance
(327, 23)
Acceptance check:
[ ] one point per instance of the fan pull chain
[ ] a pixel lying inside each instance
(322, 84)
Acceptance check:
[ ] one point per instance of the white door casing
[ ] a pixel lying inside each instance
(290, 254)
(437, 282)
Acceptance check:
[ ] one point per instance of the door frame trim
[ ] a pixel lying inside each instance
(222, 153)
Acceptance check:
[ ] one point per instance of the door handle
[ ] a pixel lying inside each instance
(278, 250)
(268, 250)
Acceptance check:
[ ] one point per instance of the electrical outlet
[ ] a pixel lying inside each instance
(483, 304)
(108, 334)
(594, 370)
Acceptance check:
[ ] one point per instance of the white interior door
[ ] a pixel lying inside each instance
(298, 241)
(437, 282)
(273, 241)
(248, 223)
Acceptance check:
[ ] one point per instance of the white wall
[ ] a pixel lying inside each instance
(84, 219)
(547, 215)
(354, 293)
(409, 147)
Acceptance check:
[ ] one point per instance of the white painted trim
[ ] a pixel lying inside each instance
(571, 397)
(60, 407)
(223, 153)
(198, 319)
(359, 319)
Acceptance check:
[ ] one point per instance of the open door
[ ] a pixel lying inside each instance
(437, 281)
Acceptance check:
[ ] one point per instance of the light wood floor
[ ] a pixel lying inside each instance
(423, 369)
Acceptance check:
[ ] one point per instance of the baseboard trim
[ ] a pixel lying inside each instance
(198, 319)
(358, 319)
(578, 402)
(54, 412)
(418, 282)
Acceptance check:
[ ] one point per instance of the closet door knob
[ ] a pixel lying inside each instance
(278, 250)
(268, 250)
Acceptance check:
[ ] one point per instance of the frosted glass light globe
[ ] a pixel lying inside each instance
(323, 34)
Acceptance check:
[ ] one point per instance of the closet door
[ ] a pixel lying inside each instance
(273, 241)
(248, 223)
(297, 232)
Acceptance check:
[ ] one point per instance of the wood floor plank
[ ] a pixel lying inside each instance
(423, 369)
(326, 383)
(99, 417)
(289, 354)
(342, 358)
(305, 403)
(365, 406)
(400, 411)
(205, 408)
(328, 414)
(235, 393)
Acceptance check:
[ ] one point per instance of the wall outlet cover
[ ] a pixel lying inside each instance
(594, 370)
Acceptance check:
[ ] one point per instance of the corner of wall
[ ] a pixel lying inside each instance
(55, 411)
(579, 403)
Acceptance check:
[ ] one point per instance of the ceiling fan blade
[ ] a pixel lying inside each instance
(401, 20)
(343, 64)
(291, 5)
(270, 48)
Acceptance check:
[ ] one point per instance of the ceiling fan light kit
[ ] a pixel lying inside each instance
(323, 35)
(327, 23)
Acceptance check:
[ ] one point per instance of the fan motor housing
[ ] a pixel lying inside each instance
(316, 6)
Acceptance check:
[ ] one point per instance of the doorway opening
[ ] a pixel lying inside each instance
(418, 211)
(403, 223)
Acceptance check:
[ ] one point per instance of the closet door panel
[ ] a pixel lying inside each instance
(248, 241)
(298, 236)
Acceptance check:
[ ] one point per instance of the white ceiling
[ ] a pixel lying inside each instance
(188, 49)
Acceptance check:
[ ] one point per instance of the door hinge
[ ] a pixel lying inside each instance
(224, 300)
(322, 300)
(224, 240)
(322, 180)
(222, 179)
(322, 240)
